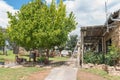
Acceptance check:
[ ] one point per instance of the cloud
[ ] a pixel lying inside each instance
(48, 1)
(90, 12)
(4, 7)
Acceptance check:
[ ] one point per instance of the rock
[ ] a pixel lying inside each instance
(90, 65)
(5, 66)
(18, 66)
(99, 66)
(37, 66)
(47, 67)
(111, 68)
(117, 68)
(1, 66)
(86, 66)
(114, 73)
(105, 68)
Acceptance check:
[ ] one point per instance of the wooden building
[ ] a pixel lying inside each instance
(98, 38)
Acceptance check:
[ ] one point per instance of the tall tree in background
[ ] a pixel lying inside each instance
(2, 39)
(37, 25)
(71, 43)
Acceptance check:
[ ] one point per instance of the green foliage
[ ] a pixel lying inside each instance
(2, 37)
(96, 71)
(91, 57)
(57, 59)
(71, 43)
(41, 59)
(10, 56)
(17, 73)
(37, 25)
(112, 56)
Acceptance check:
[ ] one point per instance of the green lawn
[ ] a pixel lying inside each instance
(16, 74)
(59, 58)
(10, 56)
(102, 74)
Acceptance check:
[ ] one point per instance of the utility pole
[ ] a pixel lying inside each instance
(106, 12)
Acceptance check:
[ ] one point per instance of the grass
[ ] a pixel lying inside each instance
(10, 56)
(16, 74)
(59, 58)
(102, 74)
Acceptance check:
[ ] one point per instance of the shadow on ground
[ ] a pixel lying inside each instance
(51, 63)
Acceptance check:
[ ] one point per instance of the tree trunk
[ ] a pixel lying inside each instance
(47, 53)
(60, 53)
(15, 49)
(3, 50)
(53, 53)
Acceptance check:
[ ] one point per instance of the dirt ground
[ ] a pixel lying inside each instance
(81, 75)
(39, 75)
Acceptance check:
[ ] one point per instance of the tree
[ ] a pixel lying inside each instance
(2, 39)
(37, 25)
(71, 43)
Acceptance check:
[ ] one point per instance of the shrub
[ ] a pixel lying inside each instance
(112, 57)
(41, 59)
(92, 57)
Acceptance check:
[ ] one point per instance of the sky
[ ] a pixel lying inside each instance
(87, 12)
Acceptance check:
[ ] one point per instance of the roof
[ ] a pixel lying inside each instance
(92, 33)
(114, 16)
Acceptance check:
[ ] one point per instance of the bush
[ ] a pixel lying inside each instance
(92, 57)
(41, 59)
(112, 57)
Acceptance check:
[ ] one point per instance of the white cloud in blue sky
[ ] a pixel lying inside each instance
(48, 1)
(4, 7)
(90, 12)
(87, 12)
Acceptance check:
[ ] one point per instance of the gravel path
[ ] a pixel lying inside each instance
(65, 72)
(62, 73)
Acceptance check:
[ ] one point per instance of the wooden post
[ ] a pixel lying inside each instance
(78, 55)
(82, 48)
(103, 44)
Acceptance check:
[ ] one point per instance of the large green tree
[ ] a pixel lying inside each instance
(38, 25)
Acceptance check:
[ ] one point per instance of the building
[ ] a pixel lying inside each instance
(99, 38)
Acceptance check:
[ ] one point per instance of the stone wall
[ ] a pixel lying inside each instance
(113, 34)
(111, 70)
(116, 36)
